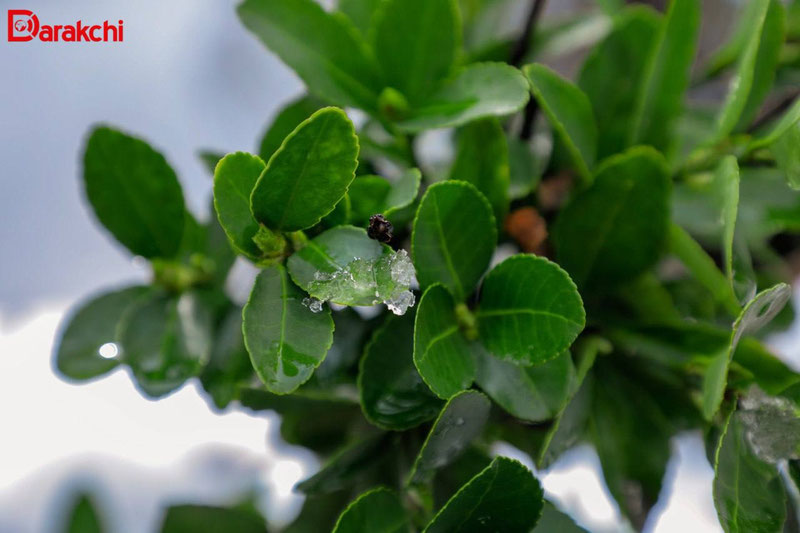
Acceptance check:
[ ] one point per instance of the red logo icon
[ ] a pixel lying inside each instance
(23, 25)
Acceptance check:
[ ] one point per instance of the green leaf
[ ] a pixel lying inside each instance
(787, 121)
(477, 91)
(229, 364)
(443, 356)
(615, 230)
(207, 519)
(524, 168)
(553, 520)
(90, 327)
(666, 75)
(134, 193)
(503, 497)
(83, 517)
(234, 179)
(285, 339)
(372, 194)
(756, 314)
(748, 492)
(166, 340)
(570, 114)
(461, 421)
(453, 237)
(530, 310)
(756, 68)
(345, 266)
(786, 150)
(393, 395)
(378, 510)
(324, 49)
(285, 123)
(347, 466)
(612, 73)
(726, 185)
(309, 174)
(210, 158)
(415, 43)
(534, 393)
(360, 12)
(482, 159)
(403, 192)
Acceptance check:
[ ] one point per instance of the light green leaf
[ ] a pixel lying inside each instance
(90, 327)
(415, 43)
(786, 150)
(570, 114)
(309, 174)
(756, 68)
(372, 194)
(756, 314)
(482, 159)
(345, 266)
(616, 229)
(612, 75)
(530, 310)
(393, 395)
(503, 497)
(378, 510)
(285, 339)
(285, 122)
(787, 121)
(360, 12)
(234, 179)
(442, 355)
(726, 187)
(403, 192)
(453, 237)
(208, 519)
(324, 49)
(534, 393)
(134, 193)
(461, 421)
(748, 493)
(477, 91)
(666, 75)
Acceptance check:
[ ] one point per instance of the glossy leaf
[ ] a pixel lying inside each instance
(134, 193)
(393, 395)
(453, 238)
(443, 356)
(324, 49)
(285, 339)
(503, 497)
(208, 519)
(234, 179)
(530, 310)
(285, 122)
(89, 328)
(415, 43)
(309, 174)
(748, 492)
(616, 229)
(461, 421)
(786, 150)
(482, 159)
(666, 75)
(755, 315)
(570, 114)
(612, 75)
(477, 91)
(379, 510)
(534, 393)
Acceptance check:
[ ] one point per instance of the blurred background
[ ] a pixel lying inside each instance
(187, 77)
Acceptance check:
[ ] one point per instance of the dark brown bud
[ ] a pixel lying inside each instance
(380, 229)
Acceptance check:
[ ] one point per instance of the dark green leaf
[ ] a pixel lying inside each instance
(453, 238)
(207, 519)
(393, 396)
(134, 193)
(229, 364)
(461, 421)
(83, 517)
(319, 513)
(444, 357)
(786, 150)
(285, 123)
(530, 310)
(379, 511)
(345, 467)
(525, 169)
(482, 159)
(616, 229)
(372, 194)
(234, 179)
(748, 492)
(325, 50)
(553, 521)
(415, 43)
(570, 114)
(503, 497)
(309, 174)
(285, 339)
(477, 91)
(210, 159)
(90, 327)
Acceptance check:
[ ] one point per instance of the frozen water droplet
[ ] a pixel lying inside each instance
(771, 426)
(400, 303)
(313, 304)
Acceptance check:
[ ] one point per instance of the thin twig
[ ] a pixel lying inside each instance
(518, 55)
